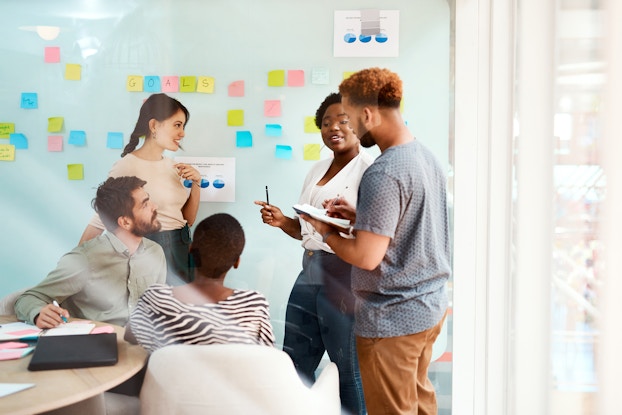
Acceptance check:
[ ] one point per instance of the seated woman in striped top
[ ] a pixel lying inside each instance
(204, 311)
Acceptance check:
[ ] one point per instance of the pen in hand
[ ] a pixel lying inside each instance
(267, 198)
(61, 316)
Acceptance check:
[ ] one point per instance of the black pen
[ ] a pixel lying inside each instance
(267, 198)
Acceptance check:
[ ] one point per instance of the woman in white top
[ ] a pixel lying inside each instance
(320, 309)
(161, 122)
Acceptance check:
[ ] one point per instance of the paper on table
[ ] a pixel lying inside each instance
(9, 388)
(11, 354)
(19, 331)
(320, 214)
(69, 329)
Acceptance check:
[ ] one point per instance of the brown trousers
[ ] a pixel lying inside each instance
(394, 371)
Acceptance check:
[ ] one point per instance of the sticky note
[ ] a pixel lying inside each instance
(310, 126)
(276, 78)
(55, 143)
(55, 124)
(296, 78)
(75, 171)
(274, 130)
(7, 152)
(346, 75)
(73, 72)
(77, 137)
(52, 54)
(6, 128)
(170, 84)
(235, 118)
(311, 152)
(236, 89)
(152, 84)
(29, 100)
(283, 152)
(114, 140)
(243, 139)
(19, 140)
(206, 85)
(134, 83)
(272, 108)
(187, 83)
(319, 76)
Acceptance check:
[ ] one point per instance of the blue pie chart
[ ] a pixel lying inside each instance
(365, 38)
(381, 38)
(219, 183)
(349, 38)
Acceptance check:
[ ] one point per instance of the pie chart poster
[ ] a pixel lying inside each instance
(350, 41)
(218, 177)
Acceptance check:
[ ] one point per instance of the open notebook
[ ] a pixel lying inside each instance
(320, 214)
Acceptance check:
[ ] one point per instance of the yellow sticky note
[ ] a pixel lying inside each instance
(276, 78)
(206, 85)
(310, 126)
(73, 72)
(187, 83)
(75, 171)
(134, 83)
(7, 152)
(6, 128)
(346, 75)
(55, 124)
(311, 152)
(402, 105)
(235, 118)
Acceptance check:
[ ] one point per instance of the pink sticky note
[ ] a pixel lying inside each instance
(12, 345)
(296, 78)
(102, 329)
(236, 89)
(52, 54)
(23, 333)
(272, 108)
(55, 143)
(170, 84)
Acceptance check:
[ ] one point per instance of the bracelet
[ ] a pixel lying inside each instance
(327, 234)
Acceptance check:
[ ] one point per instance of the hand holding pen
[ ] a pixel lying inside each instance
(51, 315)
(270, 214)
(340, 208)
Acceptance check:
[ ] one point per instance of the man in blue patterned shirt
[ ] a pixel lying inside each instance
(401, 252)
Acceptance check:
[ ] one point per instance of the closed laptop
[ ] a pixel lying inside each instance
(75, 351)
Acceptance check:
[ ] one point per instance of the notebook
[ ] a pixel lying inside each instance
(75, 351)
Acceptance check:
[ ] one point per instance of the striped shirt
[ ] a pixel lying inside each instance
(160, 319)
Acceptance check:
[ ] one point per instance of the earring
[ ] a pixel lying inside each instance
(153, 134)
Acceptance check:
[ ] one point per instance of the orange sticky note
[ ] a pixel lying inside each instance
(73, 72)
(236, 89)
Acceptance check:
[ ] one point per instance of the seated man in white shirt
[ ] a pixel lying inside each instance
(102, 278)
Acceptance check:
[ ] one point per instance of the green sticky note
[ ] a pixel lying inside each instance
(310, 126)
(55, 124)
(235, 118)
(187, 83)
(311, 152)
(276, 78)
(6, 128)
(75, 172)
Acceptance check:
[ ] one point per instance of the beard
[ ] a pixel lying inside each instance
(142, 228)
(367, 140)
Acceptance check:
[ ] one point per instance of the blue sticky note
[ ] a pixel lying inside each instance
(152, 84)
(274, 130)
(19, 140)
(283, 152)
(77, 137)
(30, 100)
(243, 139)
(115, 140)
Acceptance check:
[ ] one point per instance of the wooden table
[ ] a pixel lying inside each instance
(58, 388)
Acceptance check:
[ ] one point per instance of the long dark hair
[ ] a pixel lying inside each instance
(159, 107)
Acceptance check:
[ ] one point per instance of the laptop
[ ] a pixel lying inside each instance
(75, 351)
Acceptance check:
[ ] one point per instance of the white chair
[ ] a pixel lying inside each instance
(233, 379)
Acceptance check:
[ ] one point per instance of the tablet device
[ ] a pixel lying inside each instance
(75, 351)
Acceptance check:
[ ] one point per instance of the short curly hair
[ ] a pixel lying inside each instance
(217, 244)
(334, 98)
(373, 86)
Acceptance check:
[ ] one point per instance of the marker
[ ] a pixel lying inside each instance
(267, 198)
(61, 316)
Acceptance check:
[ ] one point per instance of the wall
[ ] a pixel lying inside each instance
(44, 213)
